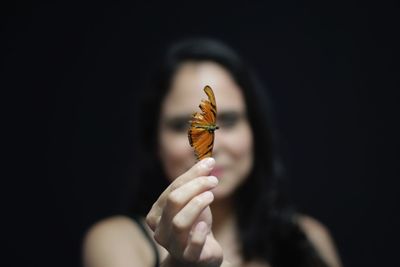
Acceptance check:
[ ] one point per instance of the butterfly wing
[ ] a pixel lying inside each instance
(202, 126)
(201, 139)
(209, 107)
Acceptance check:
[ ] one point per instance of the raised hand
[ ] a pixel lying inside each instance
(181, 219)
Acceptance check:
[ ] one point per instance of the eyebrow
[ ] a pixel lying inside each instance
(230, 112)
(174, 120)
(180, 118)
(177, 118)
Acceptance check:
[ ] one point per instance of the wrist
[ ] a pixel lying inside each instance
(172, 262)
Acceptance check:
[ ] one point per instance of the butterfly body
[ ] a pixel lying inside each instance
(210, 128)
(203, 125)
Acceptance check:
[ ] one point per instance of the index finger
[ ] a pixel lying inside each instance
(201, 168)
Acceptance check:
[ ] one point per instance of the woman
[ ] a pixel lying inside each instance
(193, 219)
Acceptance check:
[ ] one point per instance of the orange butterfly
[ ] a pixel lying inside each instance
(203, 125)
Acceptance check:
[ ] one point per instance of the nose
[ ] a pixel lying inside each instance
(219, 141)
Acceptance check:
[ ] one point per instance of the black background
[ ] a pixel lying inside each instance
(70, 72)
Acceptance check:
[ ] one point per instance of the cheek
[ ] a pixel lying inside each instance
(176, 154)
(242, 142)
(242, 151)
(236, 150)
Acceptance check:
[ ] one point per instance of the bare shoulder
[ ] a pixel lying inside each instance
(319, 236)
(116, 241)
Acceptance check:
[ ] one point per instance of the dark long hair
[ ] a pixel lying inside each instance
(268, 228)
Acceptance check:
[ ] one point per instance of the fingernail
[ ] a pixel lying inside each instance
(213, 180)
(208, 163)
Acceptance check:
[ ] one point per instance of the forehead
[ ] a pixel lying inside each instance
(187, 89)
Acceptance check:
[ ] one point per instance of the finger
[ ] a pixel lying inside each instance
(196, 243)
(201, 168)
(153, 217)
(181, 196)
(183, 222)
(178, 198)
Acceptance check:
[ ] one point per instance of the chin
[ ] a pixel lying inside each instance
(222, 192)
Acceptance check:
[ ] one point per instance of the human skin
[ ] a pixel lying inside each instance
(186, 231)
(233, 146)
(186, 209)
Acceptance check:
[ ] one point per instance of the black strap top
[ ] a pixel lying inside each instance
(146, 234)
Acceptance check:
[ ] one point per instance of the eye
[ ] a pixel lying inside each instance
(228, 120)
(177, 124)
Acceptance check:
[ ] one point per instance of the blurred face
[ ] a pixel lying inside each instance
(233, 144)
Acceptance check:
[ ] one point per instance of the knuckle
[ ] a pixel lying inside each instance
(173, 199)
(150, 220)
(158, 238)
(178, 225)
(199, 170)
(197, 242)
(189, 257)
(175, 185)
(198, 202)
(195, 171)
(202, 181)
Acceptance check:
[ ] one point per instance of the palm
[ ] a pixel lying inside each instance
(212, 250)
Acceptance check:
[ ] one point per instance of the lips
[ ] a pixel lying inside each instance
(217, 171)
